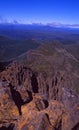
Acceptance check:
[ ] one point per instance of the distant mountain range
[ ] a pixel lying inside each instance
(53, 24)
(16, 39)
(38, 31)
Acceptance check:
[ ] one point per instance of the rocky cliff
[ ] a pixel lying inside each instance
(40, 92)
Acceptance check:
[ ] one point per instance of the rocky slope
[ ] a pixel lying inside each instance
(40, 91)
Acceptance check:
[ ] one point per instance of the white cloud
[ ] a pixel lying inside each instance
(55, 24)
(4, 20)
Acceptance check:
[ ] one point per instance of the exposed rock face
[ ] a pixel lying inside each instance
(49, 85)
(39, 100)
(43, 124)
(49, 105)
(54, 117)
(11, 102)
(8, 109)
(56, 112)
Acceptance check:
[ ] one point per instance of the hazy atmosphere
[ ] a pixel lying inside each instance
(39, 11)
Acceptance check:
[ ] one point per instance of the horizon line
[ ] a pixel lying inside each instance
(50, 24)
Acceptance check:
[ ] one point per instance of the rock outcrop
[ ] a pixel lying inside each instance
(40, 94)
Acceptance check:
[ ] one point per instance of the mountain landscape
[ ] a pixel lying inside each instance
(39, 78)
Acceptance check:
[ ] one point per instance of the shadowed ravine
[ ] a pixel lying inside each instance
(76, 127)
(18, 99)
(10, 127)
(34, 83)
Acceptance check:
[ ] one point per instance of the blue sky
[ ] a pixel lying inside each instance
(40, 11)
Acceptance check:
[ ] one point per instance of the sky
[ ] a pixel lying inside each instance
(39, 11)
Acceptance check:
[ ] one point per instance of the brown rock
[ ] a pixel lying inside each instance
(8, 110)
